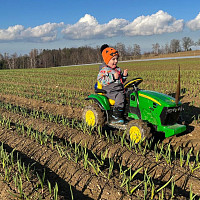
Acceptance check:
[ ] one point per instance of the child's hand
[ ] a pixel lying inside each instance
(116, 75)
(125, 72)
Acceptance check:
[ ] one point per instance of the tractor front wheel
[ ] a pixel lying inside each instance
(93, 115)
(137, 130)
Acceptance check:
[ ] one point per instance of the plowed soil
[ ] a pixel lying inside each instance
(188, 139)
(85, 183)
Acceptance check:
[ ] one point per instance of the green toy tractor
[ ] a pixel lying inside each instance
(143, 109)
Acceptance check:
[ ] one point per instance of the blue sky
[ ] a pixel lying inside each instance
(54, 24)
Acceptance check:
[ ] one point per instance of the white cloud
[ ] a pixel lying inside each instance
(158, 23)
(12, 33)
(88, 27)
(194, 24)
(43, 33)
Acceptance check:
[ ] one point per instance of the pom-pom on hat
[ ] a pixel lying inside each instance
(108, 53)
(103, 47)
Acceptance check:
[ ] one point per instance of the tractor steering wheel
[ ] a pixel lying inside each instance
(134, 82)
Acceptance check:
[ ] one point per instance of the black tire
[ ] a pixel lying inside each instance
(93, 115)
(137, 130)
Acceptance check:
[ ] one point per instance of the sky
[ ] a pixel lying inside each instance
(54, 24)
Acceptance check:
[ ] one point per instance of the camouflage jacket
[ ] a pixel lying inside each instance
(106, 76)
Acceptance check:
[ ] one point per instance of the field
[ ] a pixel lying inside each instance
(46, 152)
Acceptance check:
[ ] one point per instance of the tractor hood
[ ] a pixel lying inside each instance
(158, 98)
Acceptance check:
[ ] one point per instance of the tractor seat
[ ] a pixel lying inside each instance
(98, 89)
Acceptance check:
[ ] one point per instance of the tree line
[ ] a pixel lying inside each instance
(85, 55)
(175, 46)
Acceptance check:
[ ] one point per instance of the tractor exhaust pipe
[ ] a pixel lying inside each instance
(177, 96)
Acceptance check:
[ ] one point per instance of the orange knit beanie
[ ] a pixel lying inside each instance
(108, 53)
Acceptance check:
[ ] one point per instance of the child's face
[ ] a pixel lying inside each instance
(113, 62)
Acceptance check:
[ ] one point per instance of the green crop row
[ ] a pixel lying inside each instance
(160, 152)
(77, 153)
(16, 171)
(82, 154)
(63, 85)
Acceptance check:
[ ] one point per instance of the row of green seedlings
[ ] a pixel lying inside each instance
(60, 119)
(162, 152)
(149, 187)
(71, 152)
(81, 153)
(166, 76)
(13, 169)
(127, 175)
(72, 123)
(43, 90)
(110, 137)
(196, 119)
(162, 76)
(187, 160)
(166, 153)
(39, 83)
(78, 153)
(69, 98)
(44, 139)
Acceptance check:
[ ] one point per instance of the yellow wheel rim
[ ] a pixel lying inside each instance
(90, 118)
(135, 134)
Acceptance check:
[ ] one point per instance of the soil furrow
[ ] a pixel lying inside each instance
(73, 171)
(4, 191)
(185, 141)
(42, 106)
(9, 187)
(159, 170)
(188, 140)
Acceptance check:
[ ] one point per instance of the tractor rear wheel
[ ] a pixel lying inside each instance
(137, 130)
(93, 115)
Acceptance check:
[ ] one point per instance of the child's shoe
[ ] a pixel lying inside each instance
(117, 121)
(117, 116)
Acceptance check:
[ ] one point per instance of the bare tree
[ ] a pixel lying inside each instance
(136, 51)
(187, 42)
(122, 50)
(155, 48)
(167, 48)
(129, 50)
(13, 61)
(1, 57)
(197, 43)
(8, 60)
(33, 58)
(175, 46)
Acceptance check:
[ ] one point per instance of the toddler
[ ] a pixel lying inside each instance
(112, 79)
